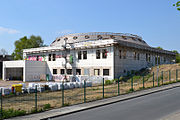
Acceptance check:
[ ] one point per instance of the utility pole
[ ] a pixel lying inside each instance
(65, 57)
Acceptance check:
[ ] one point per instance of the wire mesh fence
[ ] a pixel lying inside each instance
(16, 104)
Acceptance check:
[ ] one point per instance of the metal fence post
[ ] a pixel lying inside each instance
(143, 81)
(118, 88)
(1, 114)
(63, 93)
(162, 77)
(132, 83)
(103, 87)
(157, 80)
(153, 79)
(84, 91)
(169, 75)
(176, 75)
(36, 98)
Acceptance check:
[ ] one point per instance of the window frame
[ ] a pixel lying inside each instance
(53, 57)
(79, 55)
(78, 71)
(106, 71)
(98, 71)
(69, 71)
(54, 71)
(98, 54)
(104, 53)
(50, 57)
(62, 71)
(84, 55)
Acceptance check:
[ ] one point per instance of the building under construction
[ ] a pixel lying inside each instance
(109, 55)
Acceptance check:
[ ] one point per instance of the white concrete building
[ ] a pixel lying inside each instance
(109, 55)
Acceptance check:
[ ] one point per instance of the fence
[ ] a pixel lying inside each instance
(15, 105)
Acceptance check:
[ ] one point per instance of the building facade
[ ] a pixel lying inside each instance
(109, 55)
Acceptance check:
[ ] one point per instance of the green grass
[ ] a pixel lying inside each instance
(12, 113)
(47, 106)
(131, 90)
(66, 104)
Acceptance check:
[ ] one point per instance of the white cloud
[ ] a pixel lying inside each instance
(8, 30)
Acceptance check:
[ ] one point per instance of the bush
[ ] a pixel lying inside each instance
(131, 90)
(121, 79)
(136, 77)
(108, 82)
(12, 113)
(47, 106)
(66, 104)
(115, 80)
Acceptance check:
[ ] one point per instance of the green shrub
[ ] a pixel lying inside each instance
(131, 90)
(47, 106)
(136, 77)
(108, 82)
(12, 113)
(66, 104)
(115, 80)
(121, 79)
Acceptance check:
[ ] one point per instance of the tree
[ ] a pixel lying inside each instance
(160, 48)
(25, 43)
(177, 5)
(3, 52)
(177, 56)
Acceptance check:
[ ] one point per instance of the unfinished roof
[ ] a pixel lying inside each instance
(97, 39)
(82, 37)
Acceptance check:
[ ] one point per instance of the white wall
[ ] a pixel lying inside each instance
(90, 63)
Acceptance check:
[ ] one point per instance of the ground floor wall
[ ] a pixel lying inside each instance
(35, 70)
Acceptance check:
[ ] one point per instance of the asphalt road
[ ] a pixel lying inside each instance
(150, 107)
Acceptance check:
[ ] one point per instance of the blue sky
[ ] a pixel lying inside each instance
(157, 21)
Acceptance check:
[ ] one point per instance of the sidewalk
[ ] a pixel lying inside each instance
(80, 107)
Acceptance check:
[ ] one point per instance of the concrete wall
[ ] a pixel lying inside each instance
(34, 70)
(123, 66)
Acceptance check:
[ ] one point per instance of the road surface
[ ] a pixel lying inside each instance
(151, 107)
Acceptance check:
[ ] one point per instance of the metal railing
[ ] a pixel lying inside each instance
(21, 104)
